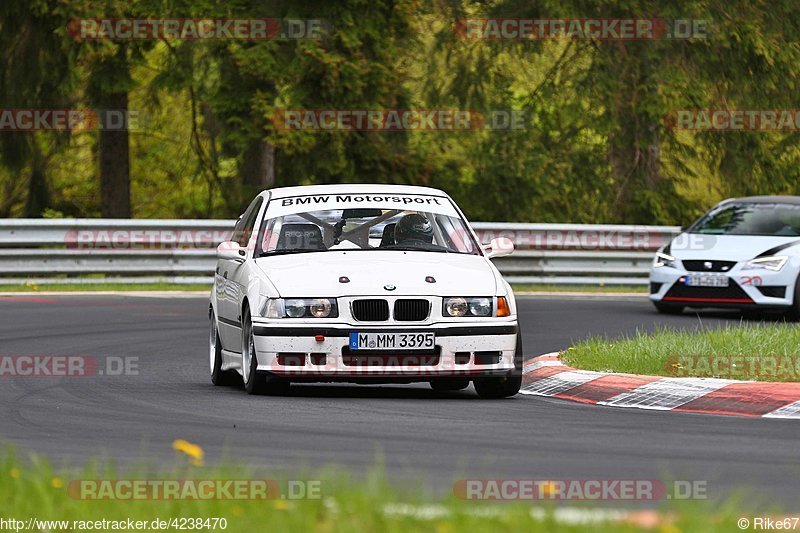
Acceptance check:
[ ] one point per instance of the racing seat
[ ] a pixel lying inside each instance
(387, 239)
(300, 237)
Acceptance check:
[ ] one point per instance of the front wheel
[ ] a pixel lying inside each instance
(219, 377)
(509, 385)
(256, 382)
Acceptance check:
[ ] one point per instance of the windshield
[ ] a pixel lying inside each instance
(363, 229)
(774, 220)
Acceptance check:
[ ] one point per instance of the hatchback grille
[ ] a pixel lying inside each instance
(411, 310)
(707, 265)
(708, 295)
(371, 310)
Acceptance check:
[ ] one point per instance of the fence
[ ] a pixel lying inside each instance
(183, 251)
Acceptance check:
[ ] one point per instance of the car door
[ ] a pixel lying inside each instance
(230, 274)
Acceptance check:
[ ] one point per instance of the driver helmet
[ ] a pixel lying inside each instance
(414, 227)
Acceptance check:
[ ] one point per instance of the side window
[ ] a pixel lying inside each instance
(244, 228)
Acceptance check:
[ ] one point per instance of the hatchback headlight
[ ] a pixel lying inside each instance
(460, 306)
(300, 308)
(664, 260)
(774, 263)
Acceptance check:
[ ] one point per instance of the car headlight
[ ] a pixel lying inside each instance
(664, 260)
(271, 308)
(460, 306)
(774, 263)
(300, 308)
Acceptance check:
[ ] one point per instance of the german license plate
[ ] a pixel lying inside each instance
(707, 280)
(391, 341)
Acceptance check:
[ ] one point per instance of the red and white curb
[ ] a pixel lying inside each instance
(546, 375)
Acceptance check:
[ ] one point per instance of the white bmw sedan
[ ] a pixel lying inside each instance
(366, 284)
(744, 253)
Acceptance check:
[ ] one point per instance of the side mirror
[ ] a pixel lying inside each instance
(231, 251)
(499, 247)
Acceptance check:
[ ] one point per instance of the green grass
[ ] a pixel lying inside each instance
(107, 287)
(769, 352)
(36, 490)
(540, 287)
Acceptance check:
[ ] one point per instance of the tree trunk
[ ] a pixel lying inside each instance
(257, 169)
(115, 179)
(38, 191)
(109, 83)
(634, 142)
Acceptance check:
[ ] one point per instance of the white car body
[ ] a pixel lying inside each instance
(251, 291)
(761, 270)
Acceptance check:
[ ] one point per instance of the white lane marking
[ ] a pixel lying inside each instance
(667, 393)
(787, 411)
(559, 383)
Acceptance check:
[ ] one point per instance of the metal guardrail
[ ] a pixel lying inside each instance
(183, 251)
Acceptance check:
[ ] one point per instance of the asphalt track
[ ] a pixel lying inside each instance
(420, 437)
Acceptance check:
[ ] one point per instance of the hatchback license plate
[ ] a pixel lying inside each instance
(707, 281)
(392, 341)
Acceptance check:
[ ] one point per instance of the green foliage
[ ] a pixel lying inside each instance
(595, 146)
(32, 488)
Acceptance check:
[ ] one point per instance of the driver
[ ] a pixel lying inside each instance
(413, 229)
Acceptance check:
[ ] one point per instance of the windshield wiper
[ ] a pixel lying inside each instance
(287, 252)
(414, 249)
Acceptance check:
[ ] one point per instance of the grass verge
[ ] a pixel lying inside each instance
(600, 289)
(761, 352)
(36, 491)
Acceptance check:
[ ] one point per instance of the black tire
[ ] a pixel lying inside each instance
(669, 309)
(508, 385)
(219, 377)
(449, 384)
(256, 382)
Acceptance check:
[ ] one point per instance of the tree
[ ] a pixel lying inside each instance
(36, 72)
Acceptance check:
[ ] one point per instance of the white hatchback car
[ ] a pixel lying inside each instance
(744, 253)
(362, 283)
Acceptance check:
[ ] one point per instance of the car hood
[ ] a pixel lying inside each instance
(317, 274)
(728, 247)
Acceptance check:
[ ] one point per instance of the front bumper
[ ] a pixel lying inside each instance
(747, 288)
(322, 353)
